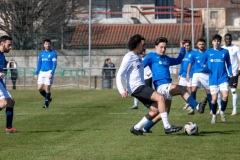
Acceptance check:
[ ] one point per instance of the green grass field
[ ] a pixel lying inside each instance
(94, 124)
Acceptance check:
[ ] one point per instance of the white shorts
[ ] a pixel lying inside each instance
(214, 89)
(43, 78)
(184, 82)
(200, 79)
(164, 90)
(4, 92)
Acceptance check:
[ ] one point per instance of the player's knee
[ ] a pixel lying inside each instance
(233, 90)
(3, 103)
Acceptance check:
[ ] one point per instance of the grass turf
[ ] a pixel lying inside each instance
(94, 124)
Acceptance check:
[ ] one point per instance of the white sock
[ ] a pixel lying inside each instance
(142, 123)
(197, 107)
(135, 102)
(214, 116)
(221, 112)
(219, 101)
(234, 100)
(165, 121)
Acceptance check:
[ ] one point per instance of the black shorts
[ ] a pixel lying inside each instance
(148, 82)
(143, 94)
(233, 82)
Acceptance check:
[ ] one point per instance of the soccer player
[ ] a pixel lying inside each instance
(200, 75)
(6, 100)
(216, 59)
(132, 69)
(47, 63)
(234, 53)
(147, 79)
(159, 64)
(183, 69)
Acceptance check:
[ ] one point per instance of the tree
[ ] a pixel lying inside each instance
(28, 21)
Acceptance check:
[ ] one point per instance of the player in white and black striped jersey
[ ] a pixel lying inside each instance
(133, 70)
(234, 53)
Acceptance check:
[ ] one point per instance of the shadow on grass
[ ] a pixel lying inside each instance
(87, 107)
(51, 131)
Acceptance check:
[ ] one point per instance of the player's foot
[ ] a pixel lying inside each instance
(10, 130)
(211, 112)
(136, 132)
(214, 120)
(223, 117)
(134, 107)
(50, 100)
(218, 112)
(146, 108)
(234, 113)
(172, 129)
(191, 112)
(146, 131)
(45, 106)
(186, 107)
(201, 106)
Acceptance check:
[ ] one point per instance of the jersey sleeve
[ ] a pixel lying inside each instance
(147, 60)
(204, 59)
(54, 62)
(229, 65)
(180, 70)
(39, 64)
(124, 67)
(178, 60)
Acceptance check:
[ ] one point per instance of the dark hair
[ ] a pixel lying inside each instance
(4, 38)
(46, 40)
(201, 40)
(134, 41)
(217, 36)
(228, 34)
(160, 39)
(187, 41)
(144, 50)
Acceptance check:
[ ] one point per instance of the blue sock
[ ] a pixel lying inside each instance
(149, 125)
(9, 117)
(193, 94)
(209, 98)
(47, 97)
(214, 108)
(43, 93)
(192, 102)
(223, 105)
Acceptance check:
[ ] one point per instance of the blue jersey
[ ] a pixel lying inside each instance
(2, 64)
(160, 66)
(195, 60)
(216, 61)
(184, 65)
(47, 60)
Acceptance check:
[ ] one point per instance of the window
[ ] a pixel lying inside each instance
(163, 3)
(235, 35)
(214, 15)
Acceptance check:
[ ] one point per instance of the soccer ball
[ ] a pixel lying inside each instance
(191, 128)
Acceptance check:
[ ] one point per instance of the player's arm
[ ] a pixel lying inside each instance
(38, 66)
(147, 60)
(178, 60)
(120, 74)
(229, 65)
(188, 72)
(180, 71)
(238, 55)
(54, 63)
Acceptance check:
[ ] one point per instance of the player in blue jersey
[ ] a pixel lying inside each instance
(159, 64)
(183, 70)
(200, 75)
(6, 100)
(216, 59)
(47, 63)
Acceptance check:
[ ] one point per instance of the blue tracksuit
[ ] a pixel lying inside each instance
(159, 66)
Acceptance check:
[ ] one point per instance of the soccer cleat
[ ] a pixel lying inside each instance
(136, 132)
(211, 112)
(50, 100)
(146, 131)
(223, 117)
(214, 120)
(191, 112)
(201, 106)
(10, 130)
(146, 108)
(172, 129)
(45, 106)
(134, 107)
(234, 113)
(186, 107)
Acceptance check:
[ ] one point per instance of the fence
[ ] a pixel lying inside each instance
(76, 78)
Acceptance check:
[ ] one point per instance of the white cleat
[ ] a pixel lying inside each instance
(223, 117)
(214, 119)
(234, 113)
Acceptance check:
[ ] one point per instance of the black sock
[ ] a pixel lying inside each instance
(43, 93)
(9, 117)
